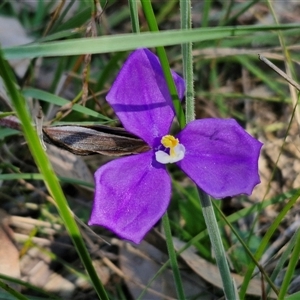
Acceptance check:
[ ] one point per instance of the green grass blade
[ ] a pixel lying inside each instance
(187, 59)
(53, 99)
(283, 259)
(172, 256)
(295, 296)
(4, 132)
(134, 14)
(27, 285)
(148, 11)
(38, 176)
(291, 268)
(124, 42)
(205, 13)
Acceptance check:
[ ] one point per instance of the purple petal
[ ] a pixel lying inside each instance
(140, 96)
(131, 195)
(221, 157)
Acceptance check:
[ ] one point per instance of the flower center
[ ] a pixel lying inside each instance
(176, 150)
(169, 141)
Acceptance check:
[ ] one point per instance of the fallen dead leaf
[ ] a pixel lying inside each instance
(142, 262)
(9, 254)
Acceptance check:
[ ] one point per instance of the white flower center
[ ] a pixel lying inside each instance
(177, 150)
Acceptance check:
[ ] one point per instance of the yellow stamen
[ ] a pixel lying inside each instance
(169, 141)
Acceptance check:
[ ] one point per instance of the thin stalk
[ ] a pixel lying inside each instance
(173, 256)
(207, 208)
(217, 245)
(187, 56)
(152, 23)
(291, 268)
(133, 7)
(150, 17)
(283, 259)
(205, 13)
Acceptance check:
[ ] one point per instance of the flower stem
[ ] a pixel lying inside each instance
(217, 245)
(172, 256)
(187, 59)
(207, 208)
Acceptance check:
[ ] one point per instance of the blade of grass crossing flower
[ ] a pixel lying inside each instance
(187, 56)
(51, 180)
(148, 11)
(149, 14)
(134, 15)
(216, 242)
(291, 268)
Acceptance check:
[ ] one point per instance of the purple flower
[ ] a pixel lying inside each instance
(132, 193)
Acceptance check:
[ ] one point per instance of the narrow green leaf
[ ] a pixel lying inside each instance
(5, 132)
(50, 98)
(291, 268)
(133, 41)
(134, 14)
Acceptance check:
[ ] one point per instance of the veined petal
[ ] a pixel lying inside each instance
(131, 195)
(140, 96)
(220, 157)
